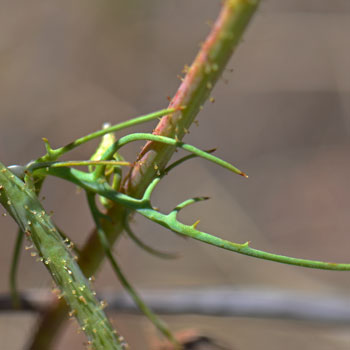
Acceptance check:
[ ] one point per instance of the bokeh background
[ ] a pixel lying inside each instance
(282, 115)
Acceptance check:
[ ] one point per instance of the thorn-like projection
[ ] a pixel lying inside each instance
(156, 168)
(185, 69)
(196, 224)
(103, 304)
(246, 244)
(82, 299)
(180, 78)
(48, 147)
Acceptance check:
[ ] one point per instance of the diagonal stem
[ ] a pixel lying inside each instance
(194, 90)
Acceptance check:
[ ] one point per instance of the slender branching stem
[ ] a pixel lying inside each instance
(189, 99)
(145, 247)
(53, 154)
(161, 326)
(14, 268)
(144, 207)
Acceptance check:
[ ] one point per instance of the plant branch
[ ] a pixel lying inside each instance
(192, 94)
(14, 268)
(159, 324)
(53, 154)
(25, 208)
(194, 90)
(144, 207)
(145, 247)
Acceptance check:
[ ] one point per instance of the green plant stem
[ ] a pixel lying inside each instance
(143, 206)
(25, 208)
(130, 233)
(89, 260)
(146, 247)
(100, 169)
(39, 165)
(192, 93)
(14, 268)
(159, 324)
(92, 253)
(170, 221)
(53, 154)
(15, 262)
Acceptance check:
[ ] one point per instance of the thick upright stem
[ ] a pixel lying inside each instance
(194, 90)
(23, 205)
(89, 261)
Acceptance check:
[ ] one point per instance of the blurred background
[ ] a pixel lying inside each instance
(282, 114)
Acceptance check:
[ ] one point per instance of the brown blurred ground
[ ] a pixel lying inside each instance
(283, 117)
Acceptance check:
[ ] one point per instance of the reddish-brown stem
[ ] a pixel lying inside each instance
(193, 92)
